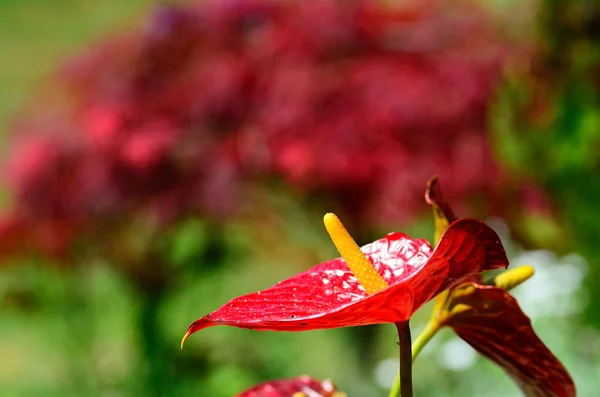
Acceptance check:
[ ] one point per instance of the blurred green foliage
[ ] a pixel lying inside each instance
(548, 129)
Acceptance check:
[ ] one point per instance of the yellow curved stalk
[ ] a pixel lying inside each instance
(513, 277)
(187, 335)
(358, 263)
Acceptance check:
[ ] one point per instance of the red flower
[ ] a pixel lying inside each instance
(290, 387)
(489, 319)
(330, 295)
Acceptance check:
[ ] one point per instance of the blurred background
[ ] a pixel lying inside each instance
(159, 159)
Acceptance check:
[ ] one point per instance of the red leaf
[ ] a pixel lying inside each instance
(497, 328)
(329, 296)
(288, 387)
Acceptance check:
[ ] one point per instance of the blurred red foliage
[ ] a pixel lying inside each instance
(358, 101)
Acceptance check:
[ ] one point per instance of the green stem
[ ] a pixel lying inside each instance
(152, 347)
(422, 339)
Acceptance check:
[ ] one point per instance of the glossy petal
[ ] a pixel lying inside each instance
(329, 296)
(291, 387)
(490, 319)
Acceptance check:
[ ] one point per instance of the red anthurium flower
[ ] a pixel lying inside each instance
(399, 276)
(489, 319)
(302, 386)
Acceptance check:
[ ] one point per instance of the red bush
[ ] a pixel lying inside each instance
(356, 100)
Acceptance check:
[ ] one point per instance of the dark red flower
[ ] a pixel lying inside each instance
(329, 295)
(304, 386)
(489, 319)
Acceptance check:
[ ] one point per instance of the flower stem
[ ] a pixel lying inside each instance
(406, 389)
(422, 339)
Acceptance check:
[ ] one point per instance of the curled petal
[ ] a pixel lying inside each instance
(329, 295)
(435, 197)
(476, 239)
(442, 212)
(490, 319)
